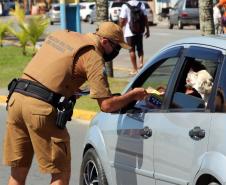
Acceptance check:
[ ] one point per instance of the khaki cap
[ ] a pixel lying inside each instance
(113, 32)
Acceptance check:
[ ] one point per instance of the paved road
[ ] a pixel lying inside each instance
(77, 131)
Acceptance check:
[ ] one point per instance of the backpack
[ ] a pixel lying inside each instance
(137, 19)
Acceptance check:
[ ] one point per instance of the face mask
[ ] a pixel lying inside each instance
(113, 54)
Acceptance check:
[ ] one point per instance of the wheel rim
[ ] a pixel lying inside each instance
(90, 174)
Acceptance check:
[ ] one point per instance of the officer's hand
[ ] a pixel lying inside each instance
(147, 34)
(139, 93)
(78, 94)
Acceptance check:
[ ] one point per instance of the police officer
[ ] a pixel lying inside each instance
(64, 62)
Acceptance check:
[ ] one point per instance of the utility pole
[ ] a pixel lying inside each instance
(102, 15)
(206, 17)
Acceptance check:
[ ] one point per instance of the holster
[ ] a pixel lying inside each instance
(33, 89)
(64, 111)
(11, 88)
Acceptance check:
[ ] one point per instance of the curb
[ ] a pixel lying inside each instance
(77, 113)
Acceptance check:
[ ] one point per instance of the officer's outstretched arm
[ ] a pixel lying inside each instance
(114, 103)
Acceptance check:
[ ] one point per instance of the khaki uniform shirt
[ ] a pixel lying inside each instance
(88, 65)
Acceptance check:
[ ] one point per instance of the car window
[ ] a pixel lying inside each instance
(194, 84)
(147, 6)
(191, 4)
(219, 102)
(179, 4)
(56, 8)
(91, 6)
(117, 4)
(156, 84)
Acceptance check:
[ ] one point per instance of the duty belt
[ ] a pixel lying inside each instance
(34, 89)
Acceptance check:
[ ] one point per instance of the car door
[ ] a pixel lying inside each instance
(181, 133)
(128, 134)
(175, 12)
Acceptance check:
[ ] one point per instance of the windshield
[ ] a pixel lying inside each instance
(191, 4)
(117, 4)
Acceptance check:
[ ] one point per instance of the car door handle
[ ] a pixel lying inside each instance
(146, 132)
(197, 133)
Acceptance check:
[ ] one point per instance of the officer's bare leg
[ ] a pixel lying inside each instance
(18, 175)
(61, 178)
(141, 59)
(133, 60)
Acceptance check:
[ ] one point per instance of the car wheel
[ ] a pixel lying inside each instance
(88, 18)
(180, 25)
(197, 27)
(170, 25)
(51, 23)
(91, 21)
(111, 18)
(92, 172)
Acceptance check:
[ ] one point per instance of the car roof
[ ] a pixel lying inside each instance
(207, 41)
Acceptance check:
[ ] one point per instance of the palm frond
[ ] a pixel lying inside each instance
(36, 27)
(4, 27)
(19, 13)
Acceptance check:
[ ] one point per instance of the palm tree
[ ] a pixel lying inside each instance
(35, 28)
(102, 10)
(22, 37)
(30, 29)
(102, 15)
(206, 17)
(3, 30)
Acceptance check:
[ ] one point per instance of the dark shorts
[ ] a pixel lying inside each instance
(136, 42)
(223, 21)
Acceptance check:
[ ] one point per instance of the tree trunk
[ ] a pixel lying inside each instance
(101, 10)
(102, 15)
(206, 17)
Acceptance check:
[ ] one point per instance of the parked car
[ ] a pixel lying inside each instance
(114, 15)
(93, 15)
(6, 6)
(114, 9)
(185, 12)
(54, 13)
(149, 13)
(173, 138)
(85, 10)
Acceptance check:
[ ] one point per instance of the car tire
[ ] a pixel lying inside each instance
(51, 23)
(111, 18)
(197, 27)
(88, 18)
(91, 22)
(170, 25)
(180, 25)
(91, 164)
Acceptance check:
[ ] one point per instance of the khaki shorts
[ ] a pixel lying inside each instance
(31, 130)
